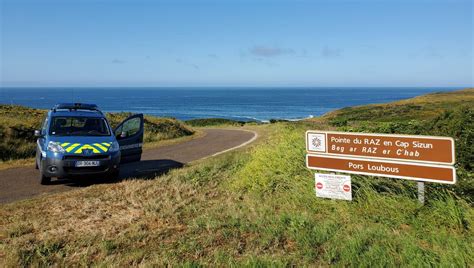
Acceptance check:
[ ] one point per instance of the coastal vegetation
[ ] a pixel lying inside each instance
(257, 207)
(208, 122)
(156, 129)
(439, 114)
(17, 125)
(418, 109)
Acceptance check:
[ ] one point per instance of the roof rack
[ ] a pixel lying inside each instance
(76, 106)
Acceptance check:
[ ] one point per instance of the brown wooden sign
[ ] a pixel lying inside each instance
(422, 149)
(383, 168)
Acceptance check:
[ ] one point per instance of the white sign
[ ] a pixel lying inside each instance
(316, 142)
(333, 186)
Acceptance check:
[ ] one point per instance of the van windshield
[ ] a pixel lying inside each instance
(78, 126)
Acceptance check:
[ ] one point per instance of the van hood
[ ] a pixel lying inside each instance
(85, 144)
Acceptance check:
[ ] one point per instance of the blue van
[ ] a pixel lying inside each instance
(76, 139)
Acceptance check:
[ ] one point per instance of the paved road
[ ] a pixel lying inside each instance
(22, 183)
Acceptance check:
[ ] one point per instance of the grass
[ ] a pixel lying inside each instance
(440, 114)
(156, 129)
(253, 207)
(17, 125)
(420, 108)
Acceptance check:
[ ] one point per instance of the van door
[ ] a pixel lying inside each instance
(129, 135)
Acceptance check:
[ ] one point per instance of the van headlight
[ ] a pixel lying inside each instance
(55, 147)
(115, 147)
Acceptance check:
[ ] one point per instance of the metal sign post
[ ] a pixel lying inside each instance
(421, 192)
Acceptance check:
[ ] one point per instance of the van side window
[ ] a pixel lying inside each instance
(130, 127)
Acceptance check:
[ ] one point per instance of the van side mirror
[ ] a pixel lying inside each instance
(38, 133)
(123, 134)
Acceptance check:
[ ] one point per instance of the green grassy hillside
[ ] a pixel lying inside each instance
(207, 122)
(440, 114)
(17, 125)
(257, 207)
(416, 109)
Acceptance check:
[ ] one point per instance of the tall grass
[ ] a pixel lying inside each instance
(383, 226)
(253, 208)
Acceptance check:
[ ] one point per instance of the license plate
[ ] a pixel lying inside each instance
(87, 163)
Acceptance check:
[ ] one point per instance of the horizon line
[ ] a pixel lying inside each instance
(235, 86)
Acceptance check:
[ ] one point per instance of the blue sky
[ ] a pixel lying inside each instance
(236, 43)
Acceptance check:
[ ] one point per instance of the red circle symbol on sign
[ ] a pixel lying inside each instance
(319, 185)
(346, 188)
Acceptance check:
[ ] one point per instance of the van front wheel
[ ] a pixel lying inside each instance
(44, 180)
(113, 174)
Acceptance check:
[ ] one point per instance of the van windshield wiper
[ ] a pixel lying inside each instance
(86, 133)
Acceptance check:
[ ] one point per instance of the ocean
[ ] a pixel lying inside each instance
(247, 104)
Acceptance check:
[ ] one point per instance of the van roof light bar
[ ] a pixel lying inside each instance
(76, 106)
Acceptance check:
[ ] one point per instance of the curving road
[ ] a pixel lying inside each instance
(22, 183)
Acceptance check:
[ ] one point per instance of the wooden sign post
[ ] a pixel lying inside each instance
(419, 158)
